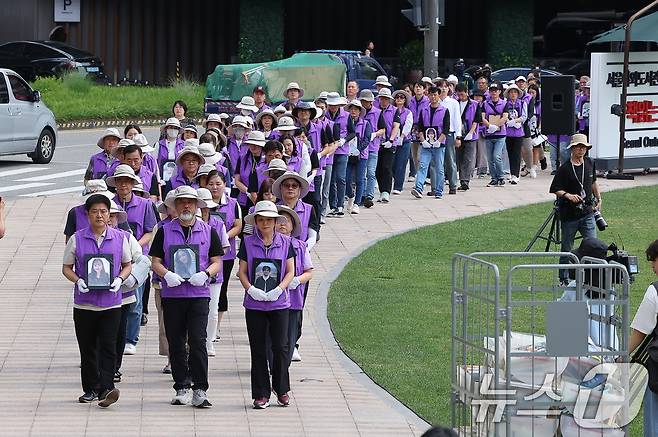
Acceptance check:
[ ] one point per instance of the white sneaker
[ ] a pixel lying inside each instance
(182, 397)
(350, 204)
(200, 399)
(129, 349)
(385, 197)
(211, 350)
(395, 192)
(323, 219)
(533, 173)
(355, 209)
(296, 356)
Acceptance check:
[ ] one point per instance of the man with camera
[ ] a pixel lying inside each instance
(578, 196)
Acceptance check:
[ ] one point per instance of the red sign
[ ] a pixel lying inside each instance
(641, 112)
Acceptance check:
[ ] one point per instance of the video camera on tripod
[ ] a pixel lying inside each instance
(622, 257)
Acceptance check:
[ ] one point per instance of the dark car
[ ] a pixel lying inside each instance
(48, 58)
(507, 74)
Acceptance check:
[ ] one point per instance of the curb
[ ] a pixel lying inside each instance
(328, 339)
(93, 124)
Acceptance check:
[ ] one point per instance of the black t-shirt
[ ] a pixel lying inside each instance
(569, 178)
(157, 245)
(242, 252)
(314, 221)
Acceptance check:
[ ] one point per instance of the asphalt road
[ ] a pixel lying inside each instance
(19, 177)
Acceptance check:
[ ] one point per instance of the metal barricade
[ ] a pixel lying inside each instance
(522, 340)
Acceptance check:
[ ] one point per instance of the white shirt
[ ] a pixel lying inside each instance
(455, 115)
(171, 150)
(645, 317)
(407, 124)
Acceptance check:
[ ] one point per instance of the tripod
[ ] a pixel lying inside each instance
(554, 233)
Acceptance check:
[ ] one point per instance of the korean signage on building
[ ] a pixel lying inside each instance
(67, 11)
(641, 108)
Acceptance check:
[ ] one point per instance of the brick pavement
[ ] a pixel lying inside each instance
(39, 374)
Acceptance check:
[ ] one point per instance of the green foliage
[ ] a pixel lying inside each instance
(71, 98)
(390, 308)
(77, 82)
(411, 55)
(261, 31)
(509, 38)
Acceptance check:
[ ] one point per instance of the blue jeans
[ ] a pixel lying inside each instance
(495, 148)
(356, 173)
(587, 228)
(436, 156)
(371, 174)
(564, 152)
(134, 317)
(650, 413)
(451, 161)
(337, 190)
(400, 164)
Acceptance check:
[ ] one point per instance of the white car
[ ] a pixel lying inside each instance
(26, 123)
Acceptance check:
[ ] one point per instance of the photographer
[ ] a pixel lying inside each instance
(577, 194)
(644, 324)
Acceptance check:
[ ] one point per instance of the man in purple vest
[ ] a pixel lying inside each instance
(134, 157)
(372, 115)
(77, 216)
(142, 220)
(338, 116)
(470, 118)
(433, 123)
(185, 300)
(391, 117)
(97, 260)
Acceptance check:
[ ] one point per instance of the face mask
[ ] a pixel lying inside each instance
(245, 112)
(239, 133)
(187, 216)
(172, 133)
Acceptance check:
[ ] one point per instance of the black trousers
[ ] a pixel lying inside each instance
(187, 319)
(514, 146)
(294, 330)
(96, 332)
(227, 267)
(259, 324)
(146, 294)
(121, 335)
(384, 171)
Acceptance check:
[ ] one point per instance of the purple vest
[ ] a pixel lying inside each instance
(328, 160)
(468, 116)
(278, 251)
(81, 217)
(435, 121)
(340, 118)
(246, 165)
(218, 224)
(227, 211)
(150, 162)
(583, 122)
(415, 106)
(403, 116)
(136, 210)
(146, 176)
(173, 236)
(491, 108)
(303, 210)
(234, 152)
(101, 164)
(179, 180)
(313, 135)
(85, 244)
(297, 294)
(295, 162)
(515, 110)
(163, 152)
(389, 115)
(155, 278)
(126, 294)
(373, 117)
(360, 130)
(262, 108)
(113, 167)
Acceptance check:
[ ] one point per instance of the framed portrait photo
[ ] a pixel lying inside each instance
(168, 170)
(99, 271)
(185, 259)
(266, 274)
(221, 215)
(431, 137)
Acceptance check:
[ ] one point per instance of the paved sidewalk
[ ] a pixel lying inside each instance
(39, 374)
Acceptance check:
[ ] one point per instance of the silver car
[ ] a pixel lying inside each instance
(26, 123)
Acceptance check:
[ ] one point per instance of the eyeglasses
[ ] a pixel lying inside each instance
(293, 185)
(189, 160)
(400, 98)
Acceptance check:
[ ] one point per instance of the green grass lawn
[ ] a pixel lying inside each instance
(390, 308)
(75, 98)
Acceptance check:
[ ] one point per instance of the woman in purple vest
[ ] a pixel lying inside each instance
(245, 175)
(372, 115)
(266, 269)
(494, 119)
(229, 211)
(338, 116)
(185, 300)
(517, 111)
(290, 188)
(290, 225)
(403, 149)
(391, 116)
(168, 149)
(100, 163)
(97, 312)
(359, 132)
(188, 161)
(470, 119)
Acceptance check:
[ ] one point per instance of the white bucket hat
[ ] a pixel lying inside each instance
(286, 124)
(256, 137)
(521, 78)
(240, 120)
(142, 142)
(334, 99)
(511, 87)
(173, 122)
(184, 192)
(279, 110)
(209, 153)
(248, 103)
(382, 80)
(367, 95)
(318, 111)
(427, 80)
(212, 117)
(296, 222)
(96, 186)
(122, 216)
(204, 169)
(264, 208)
(122, 145)
(190, 150)
(109, 132)
(206, 196)
(358, 104)
(276, 187)
(275, 165)
(139, 186)
(452, 79)
(385, 92)
(294, 86)
(404, 93)
(122, 171)
(162, 207)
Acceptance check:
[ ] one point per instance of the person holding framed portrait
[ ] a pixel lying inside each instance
(98, 255)
(267, 258)
(185, 300)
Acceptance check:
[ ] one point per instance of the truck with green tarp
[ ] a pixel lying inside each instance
(323, 70)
